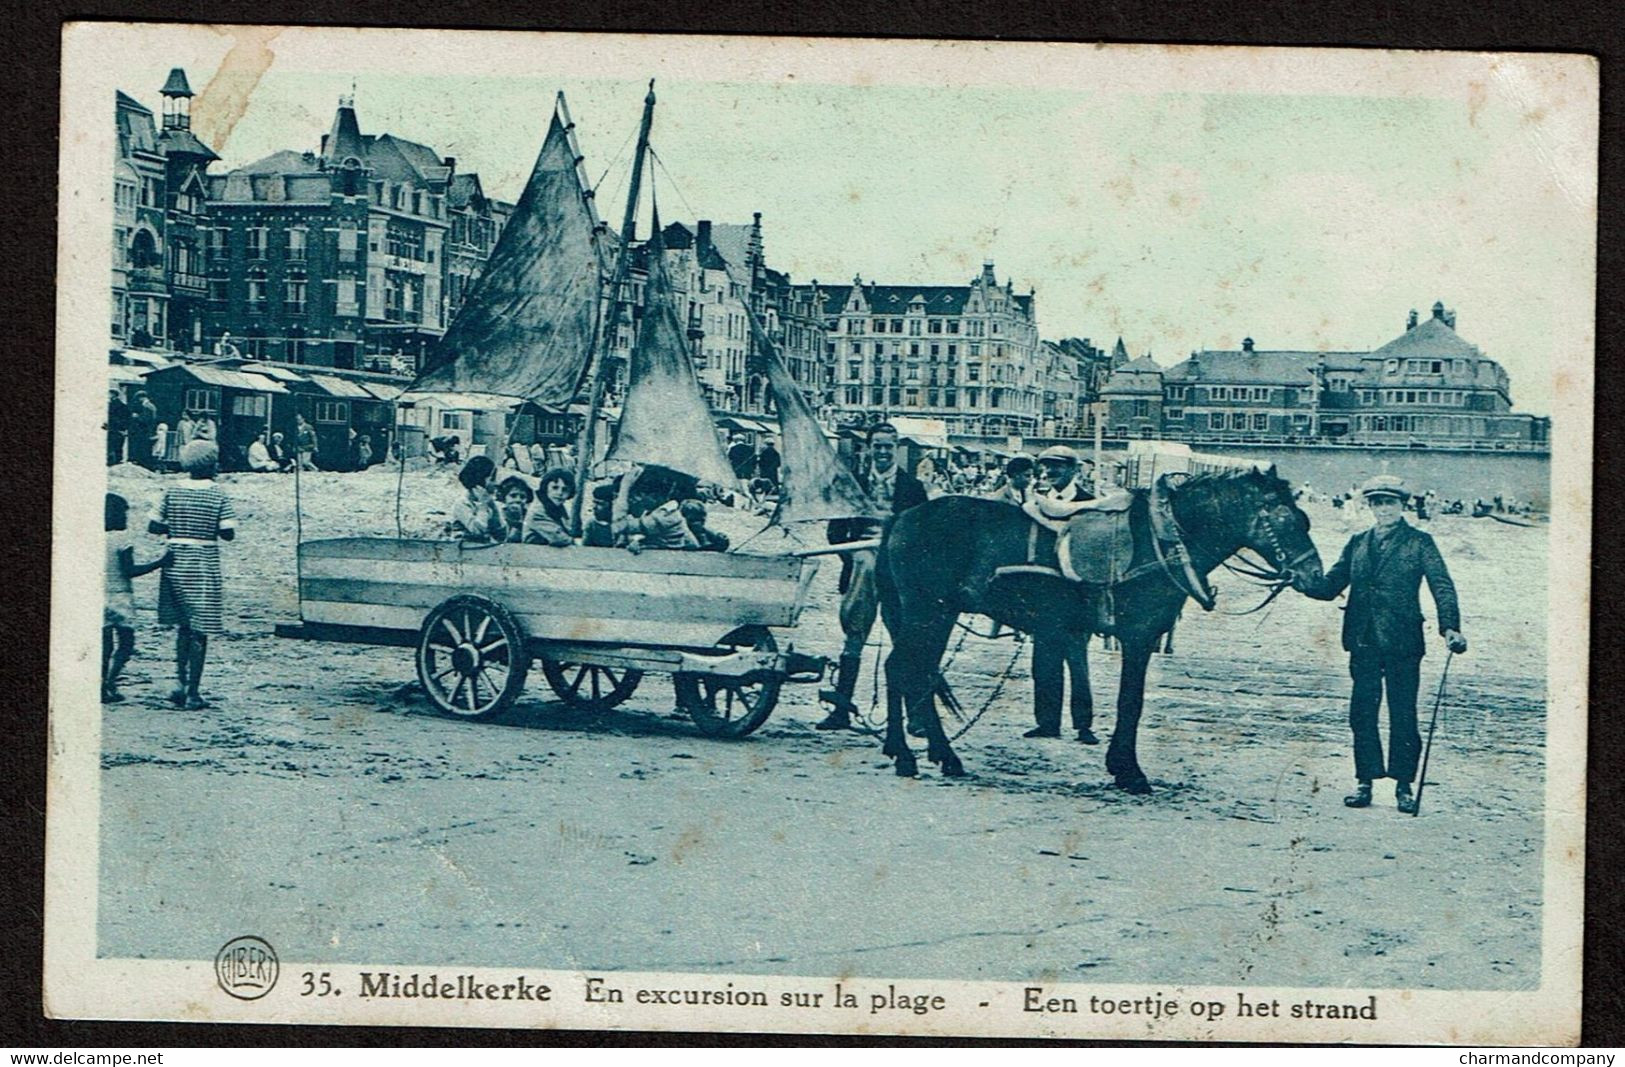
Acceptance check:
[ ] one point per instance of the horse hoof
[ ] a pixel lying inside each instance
(952, 768)
(1137, 786)
(906, 767)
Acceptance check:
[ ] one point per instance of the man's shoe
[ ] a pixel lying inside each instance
(1043, 731)
(1404, 800)
(1360, 798)
(838, 719)
(1088, 737)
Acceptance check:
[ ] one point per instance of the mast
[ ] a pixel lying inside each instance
(595, 388)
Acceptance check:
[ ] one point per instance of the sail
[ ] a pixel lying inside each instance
(527, 328)
(814, 485)
(664, 419)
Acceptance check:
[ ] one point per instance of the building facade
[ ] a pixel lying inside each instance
(160, 213)
(966, 354)
(1427, 388)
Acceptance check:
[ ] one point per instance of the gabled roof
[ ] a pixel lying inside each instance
(1143, 375)
(1283, 367)
(733, 241)
(177, 142)
(124, 100)
(463, 188)
(284, 162)
(1431, 338)
(401, 160)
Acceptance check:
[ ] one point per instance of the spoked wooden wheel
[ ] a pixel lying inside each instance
(732, 707)
(472, 658)
(590, 686)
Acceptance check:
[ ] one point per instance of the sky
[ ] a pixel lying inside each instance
(1178, 198)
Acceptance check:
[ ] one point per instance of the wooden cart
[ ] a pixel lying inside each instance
(596, 619)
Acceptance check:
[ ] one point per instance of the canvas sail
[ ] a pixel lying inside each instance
(528, 327)
(814, 485)
(664, 419)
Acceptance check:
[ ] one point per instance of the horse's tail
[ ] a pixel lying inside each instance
(886, 584)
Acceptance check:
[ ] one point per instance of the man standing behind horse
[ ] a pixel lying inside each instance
(893, 491)
(1383, 569)
(1056, 655)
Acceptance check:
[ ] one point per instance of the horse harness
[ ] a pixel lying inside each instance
(1171, 557)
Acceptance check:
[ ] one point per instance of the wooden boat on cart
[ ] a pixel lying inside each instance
(596, 620)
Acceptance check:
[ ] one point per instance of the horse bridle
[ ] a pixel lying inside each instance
(1278, 577)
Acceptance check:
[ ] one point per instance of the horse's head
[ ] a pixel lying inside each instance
(1277, 528)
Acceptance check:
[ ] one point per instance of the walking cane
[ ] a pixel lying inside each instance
(1422, 783)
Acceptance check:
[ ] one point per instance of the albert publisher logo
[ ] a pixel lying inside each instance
(246, 967)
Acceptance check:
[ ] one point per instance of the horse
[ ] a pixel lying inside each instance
(950, 554)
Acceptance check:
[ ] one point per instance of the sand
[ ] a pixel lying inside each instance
(323, 805)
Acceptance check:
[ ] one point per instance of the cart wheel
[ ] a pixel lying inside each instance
(589, 686)
(472, 658)
(732, 707)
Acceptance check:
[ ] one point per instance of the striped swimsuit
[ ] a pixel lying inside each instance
(190, 592)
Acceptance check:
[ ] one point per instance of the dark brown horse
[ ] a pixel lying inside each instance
(945, 557)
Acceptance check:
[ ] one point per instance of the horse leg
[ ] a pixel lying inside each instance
(922, 696)
(896, 745)
(1122, 761)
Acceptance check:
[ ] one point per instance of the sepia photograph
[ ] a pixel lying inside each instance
(795, 535)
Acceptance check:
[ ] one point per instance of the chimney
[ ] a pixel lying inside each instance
(1450, 318)
(449, 162)
(1410, 323)
(1246, 344)
(1438, 310)
(703, 240)
(1196, 365)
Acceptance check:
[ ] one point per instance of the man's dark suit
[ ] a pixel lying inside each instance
(1055, 656)
(1382, 632)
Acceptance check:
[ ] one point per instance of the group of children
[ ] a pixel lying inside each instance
(654, 508)
(194, 517)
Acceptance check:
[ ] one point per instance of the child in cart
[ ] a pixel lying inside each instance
(118, 614)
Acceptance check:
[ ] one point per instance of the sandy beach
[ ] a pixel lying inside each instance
(322, 803)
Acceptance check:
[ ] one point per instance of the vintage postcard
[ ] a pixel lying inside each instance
(821, 536)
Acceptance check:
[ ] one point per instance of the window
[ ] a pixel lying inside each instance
(296, 243)
(1142, 409)
(935, 326)
(880, 326)
(256, 294)
(936, 350)
(877, 396)
(1174, 414)
(914, 327)
(218, 292)
(880, 349)
(1261, 421)
(294, 301)
(975, 350)
(911, 398)
(953, 350)
(348, 240)
(973, 372)
(950, 399)
(203, 400)
(256, 242)
(914, 348)
(1218, 392)
(345, 296)
(403, 241)
(217, 242)
(1176, 392)
(854, 369)
(1215, 420)
(454, 420)
(855, 325)
(953, 325)
(1238, 420)
(857, 348)
(332, 411)
(896, 325)
(894, 395)
(257, 405)
(854, 395)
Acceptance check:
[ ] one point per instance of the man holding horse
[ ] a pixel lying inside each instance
(893, 491)
(1057, 655)
(1383, 568)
